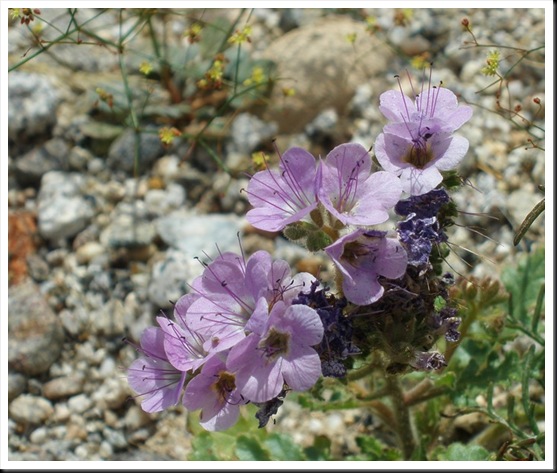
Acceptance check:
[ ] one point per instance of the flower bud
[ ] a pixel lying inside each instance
(318, 240)
(470, 291)
(296, 231)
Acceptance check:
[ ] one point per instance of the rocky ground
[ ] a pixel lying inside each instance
(97, 250)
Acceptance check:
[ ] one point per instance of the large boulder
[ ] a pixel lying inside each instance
(324, 67)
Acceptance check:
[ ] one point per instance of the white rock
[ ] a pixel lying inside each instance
(80, 403)
(89, 251)
(30, 409)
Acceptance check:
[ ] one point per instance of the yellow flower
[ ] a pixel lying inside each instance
(145, 68)
(37, 28)
(403, 16)
(420, 61)
(193, 32)
(351, 38)
(288, 91)
(105, 96)
(257, 76)
(371, 24)
(240, 37)
(167, 135)
(492, 63)
(259, 160)
(216, 71)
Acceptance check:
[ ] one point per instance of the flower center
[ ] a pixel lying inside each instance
(420, 152)
(274, 344)
(224, 385)
(355, 251)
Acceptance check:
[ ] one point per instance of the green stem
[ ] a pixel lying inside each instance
(362, 372)
(402, 414)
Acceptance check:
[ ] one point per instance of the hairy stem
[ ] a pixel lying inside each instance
(402, 414)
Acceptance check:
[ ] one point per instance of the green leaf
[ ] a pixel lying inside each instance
(447, 379)
(372, 449)
(461, 452)
(320, 450)
(524, 282)
(282, 447)
(249, 449)
(486, 363)
(439, 303)
(203, 448)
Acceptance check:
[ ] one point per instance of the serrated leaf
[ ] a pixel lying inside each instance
(249, 449)
(282, 447)
(485, 365)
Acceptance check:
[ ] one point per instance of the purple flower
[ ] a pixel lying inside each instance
(421, 229)
(336, 344)
(284, 196)
(428, 361)
(183, 346)
(278, 351)
(445, 322)
(214, 391)
(351, 192)
(229, 291)
(152, 376)
(363, 256)
(272, 279)
(423, 206)
(418, 142)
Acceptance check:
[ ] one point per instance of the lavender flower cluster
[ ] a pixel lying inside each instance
(249, 331)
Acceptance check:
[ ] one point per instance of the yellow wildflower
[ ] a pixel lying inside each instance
(167, 134)
(242, 36)
(145, 68)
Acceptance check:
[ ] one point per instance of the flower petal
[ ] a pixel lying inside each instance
(301, 321)
(396, 106)
(349, 161)
(389, 150)
(420, 181)
(302, 370)
(363, 288)
(379, 193)
(284, 197)
(451, 152)
(393, 260)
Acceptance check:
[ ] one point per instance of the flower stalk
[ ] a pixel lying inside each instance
(402, 416)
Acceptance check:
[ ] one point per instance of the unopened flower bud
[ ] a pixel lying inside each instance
(318, 240)
(296, 231)
(470, 290)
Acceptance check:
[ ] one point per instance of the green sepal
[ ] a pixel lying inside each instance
(298, 230)
(318, 240)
